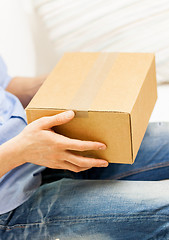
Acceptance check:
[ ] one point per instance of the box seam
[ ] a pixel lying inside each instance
(131, 136)
(46, 109)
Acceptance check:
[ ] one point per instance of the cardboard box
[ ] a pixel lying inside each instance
(112, 94)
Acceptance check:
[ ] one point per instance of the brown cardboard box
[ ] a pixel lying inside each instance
(112, 94)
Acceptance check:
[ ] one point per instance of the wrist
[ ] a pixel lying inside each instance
(10, 156)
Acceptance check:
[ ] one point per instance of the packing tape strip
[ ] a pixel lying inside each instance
(89, 88)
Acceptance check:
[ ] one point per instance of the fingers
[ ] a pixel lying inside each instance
(71, 167)
(80, 145)
(58, 119)
(85, 162)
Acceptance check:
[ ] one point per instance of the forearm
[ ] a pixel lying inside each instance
(25, 87)
(9, 153)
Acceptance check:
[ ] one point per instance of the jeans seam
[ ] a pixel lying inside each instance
(126, 174)
(88, 219)
(77, 219)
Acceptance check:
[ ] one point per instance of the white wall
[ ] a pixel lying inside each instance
(16, 43)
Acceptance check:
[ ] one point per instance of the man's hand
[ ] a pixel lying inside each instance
(38, 144)
(25, 87)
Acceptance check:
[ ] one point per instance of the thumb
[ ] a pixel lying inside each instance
(58, 119)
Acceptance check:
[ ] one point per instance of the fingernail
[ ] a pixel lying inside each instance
(102, 147)
(69, 114)
(104, 164)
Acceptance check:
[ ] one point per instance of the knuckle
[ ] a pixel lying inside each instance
(59, 144)
(93, 145)
(90, 163)
(42, 120)
(76, 169)
(82, 147)
(54, 164)
(59, 119)
(60, 141)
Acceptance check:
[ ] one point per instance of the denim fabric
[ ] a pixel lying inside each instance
(120, 202)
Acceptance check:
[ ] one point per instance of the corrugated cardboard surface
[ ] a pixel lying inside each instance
(143, 107)
(113, 95)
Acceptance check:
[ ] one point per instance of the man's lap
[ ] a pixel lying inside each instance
(91, 209)
(79, 208)
(151, 163)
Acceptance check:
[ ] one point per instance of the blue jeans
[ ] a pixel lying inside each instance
(120, 202)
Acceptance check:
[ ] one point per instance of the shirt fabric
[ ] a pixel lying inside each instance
(19, 184)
